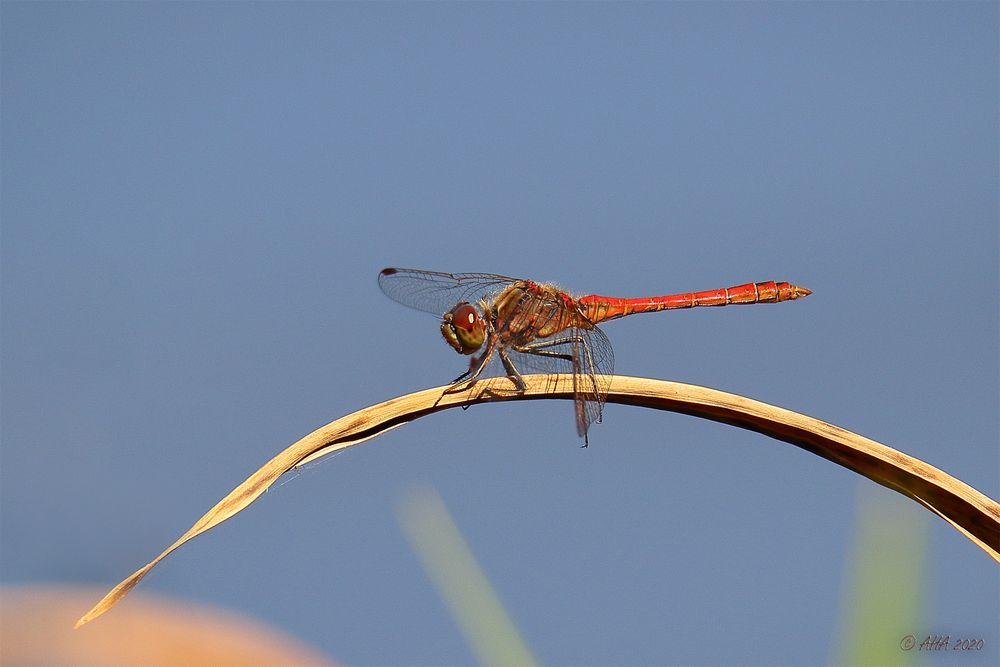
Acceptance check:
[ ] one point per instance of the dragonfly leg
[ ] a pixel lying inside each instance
(477, 364)
(512, 372)
(538, 348)
(538, 352)
(532, 348)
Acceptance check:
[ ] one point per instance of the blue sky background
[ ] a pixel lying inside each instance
(196, 200)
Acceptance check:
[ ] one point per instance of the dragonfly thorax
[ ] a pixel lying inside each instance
(463, 328)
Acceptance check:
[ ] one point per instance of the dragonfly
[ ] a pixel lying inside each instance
(540, 327)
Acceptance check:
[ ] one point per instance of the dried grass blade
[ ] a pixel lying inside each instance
(974, 514)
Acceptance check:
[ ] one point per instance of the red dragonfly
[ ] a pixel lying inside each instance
(540, 327)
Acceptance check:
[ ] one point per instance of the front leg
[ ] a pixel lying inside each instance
(477, 364)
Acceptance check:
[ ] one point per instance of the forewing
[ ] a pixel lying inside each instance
(437, 293)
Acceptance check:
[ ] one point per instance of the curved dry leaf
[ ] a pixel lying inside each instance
(972, 513)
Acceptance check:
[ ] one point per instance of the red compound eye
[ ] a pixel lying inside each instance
(464, 317)
(463, 328)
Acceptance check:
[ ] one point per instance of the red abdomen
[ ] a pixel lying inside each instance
(602, 308)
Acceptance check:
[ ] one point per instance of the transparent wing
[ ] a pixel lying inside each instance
(587, 354)
(436, 293)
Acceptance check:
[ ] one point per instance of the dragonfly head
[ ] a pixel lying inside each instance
(463, 328)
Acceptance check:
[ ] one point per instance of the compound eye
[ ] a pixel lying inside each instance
(463, 328)
(465, 317)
